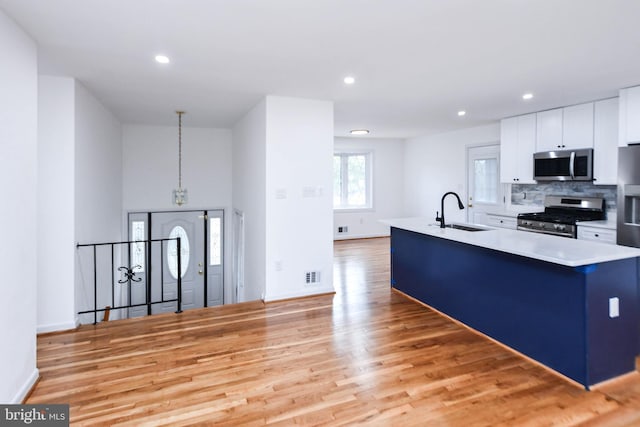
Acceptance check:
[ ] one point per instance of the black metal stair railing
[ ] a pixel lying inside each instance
(132, 274)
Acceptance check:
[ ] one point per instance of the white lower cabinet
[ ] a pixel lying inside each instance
(596, 234)
(502, 221)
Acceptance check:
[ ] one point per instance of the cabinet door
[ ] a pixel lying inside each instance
(549, 130)
(605, 142)
(577, 126)
(526, 148)
(508, 149)
(629, 116)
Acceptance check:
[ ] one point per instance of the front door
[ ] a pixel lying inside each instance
(189, 226)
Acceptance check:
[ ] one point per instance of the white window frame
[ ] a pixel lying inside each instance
(344, 207)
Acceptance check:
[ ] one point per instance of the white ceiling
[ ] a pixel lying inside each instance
(417, 62)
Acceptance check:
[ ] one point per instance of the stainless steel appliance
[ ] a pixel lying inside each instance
(561, 214)
(629, 196)
(566, 165)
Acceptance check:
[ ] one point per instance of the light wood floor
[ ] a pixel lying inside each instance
(365, 355)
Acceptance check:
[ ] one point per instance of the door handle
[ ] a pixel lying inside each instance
(200, 272)
(469, 205)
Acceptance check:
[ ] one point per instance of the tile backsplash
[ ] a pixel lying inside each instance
(533, 194)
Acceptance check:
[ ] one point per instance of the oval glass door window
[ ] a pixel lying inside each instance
(172, 251)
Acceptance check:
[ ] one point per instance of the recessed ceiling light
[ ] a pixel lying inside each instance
(162, 59)
(359, 132)
(349, 80)
(527, 96)
(462, 113)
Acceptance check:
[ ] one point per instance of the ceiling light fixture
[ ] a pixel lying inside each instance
(162, 59)
(359, 132)
(180, 196)
(462, 113)
(527, 96)
(349, 80)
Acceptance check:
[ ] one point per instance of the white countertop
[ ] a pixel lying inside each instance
(544, 247)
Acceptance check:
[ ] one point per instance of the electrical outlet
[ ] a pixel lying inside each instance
(614, 307)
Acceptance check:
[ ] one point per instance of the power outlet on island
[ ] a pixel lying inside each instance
(614, 307)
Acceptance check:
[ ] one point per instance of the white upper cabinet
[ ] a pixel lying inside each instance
(605, 142)
(567, 128)
(549, 130)
(577, 126)
(629, 121)
(517, 145)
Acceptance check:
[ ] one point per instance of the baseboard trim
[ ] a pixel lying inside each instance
(25, 391)
(361, 236)
(57, 327)
(283, 297)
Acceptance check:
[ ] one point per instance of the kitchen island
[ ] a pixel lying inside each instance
(571, 305)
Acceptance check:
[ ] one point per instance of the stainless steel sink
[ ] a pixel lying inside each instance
(465, 227)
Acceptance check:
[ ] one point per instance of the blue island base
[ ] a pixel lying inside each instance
(557, 315)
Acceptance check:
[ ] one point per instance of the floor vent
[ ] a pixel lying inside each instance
(312, 277)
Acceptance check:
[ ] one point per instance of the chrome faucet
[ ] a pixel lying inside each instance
(439, 218)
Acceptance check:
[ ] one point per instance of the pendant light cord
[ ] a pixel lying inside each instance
(180, 113)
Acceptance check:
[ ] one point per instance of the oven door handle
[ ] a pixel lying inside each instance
(555, 233)
(572, 161)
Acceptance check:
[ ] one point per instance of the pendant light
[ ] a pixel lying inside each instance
(180, 196)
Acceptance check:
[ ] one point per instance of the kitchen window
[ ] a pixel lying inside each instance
(352, 180)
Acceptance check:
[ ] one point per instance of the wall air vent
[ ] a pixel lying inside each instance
(312, 277)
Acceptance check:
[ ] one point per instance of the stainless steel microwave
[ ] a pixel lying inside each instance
(565, 165)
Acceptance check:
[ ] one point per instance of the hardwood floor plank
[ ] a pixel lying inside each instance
(366, 355)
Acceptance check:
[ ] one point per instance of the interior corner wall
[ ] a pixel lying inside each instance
(56, 221)
(387, 179)
(98, 187)
(299, 197)
(438, 163)
(249, 197)
(18, 170)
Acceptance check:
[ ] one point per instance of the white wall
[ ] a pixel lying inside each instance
(249, 172)
(388, 182)
(56, 213)
(18, 172)
(150, 173)
(299, 196)
(437, 164)
(150, 167)
(98, 184)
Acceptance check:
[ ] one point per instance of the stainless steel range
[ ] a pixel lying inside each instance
(561, 214)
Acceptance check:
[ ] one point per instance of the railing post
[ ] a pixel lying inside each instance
(95, 286)
(179, 277)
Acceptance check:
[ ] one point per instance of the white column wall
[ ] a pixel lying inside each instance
(249, 172)
(98, 188)
(388, 182)
(18, 172)
(299, 196)
(56, 213)
(437, 164)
